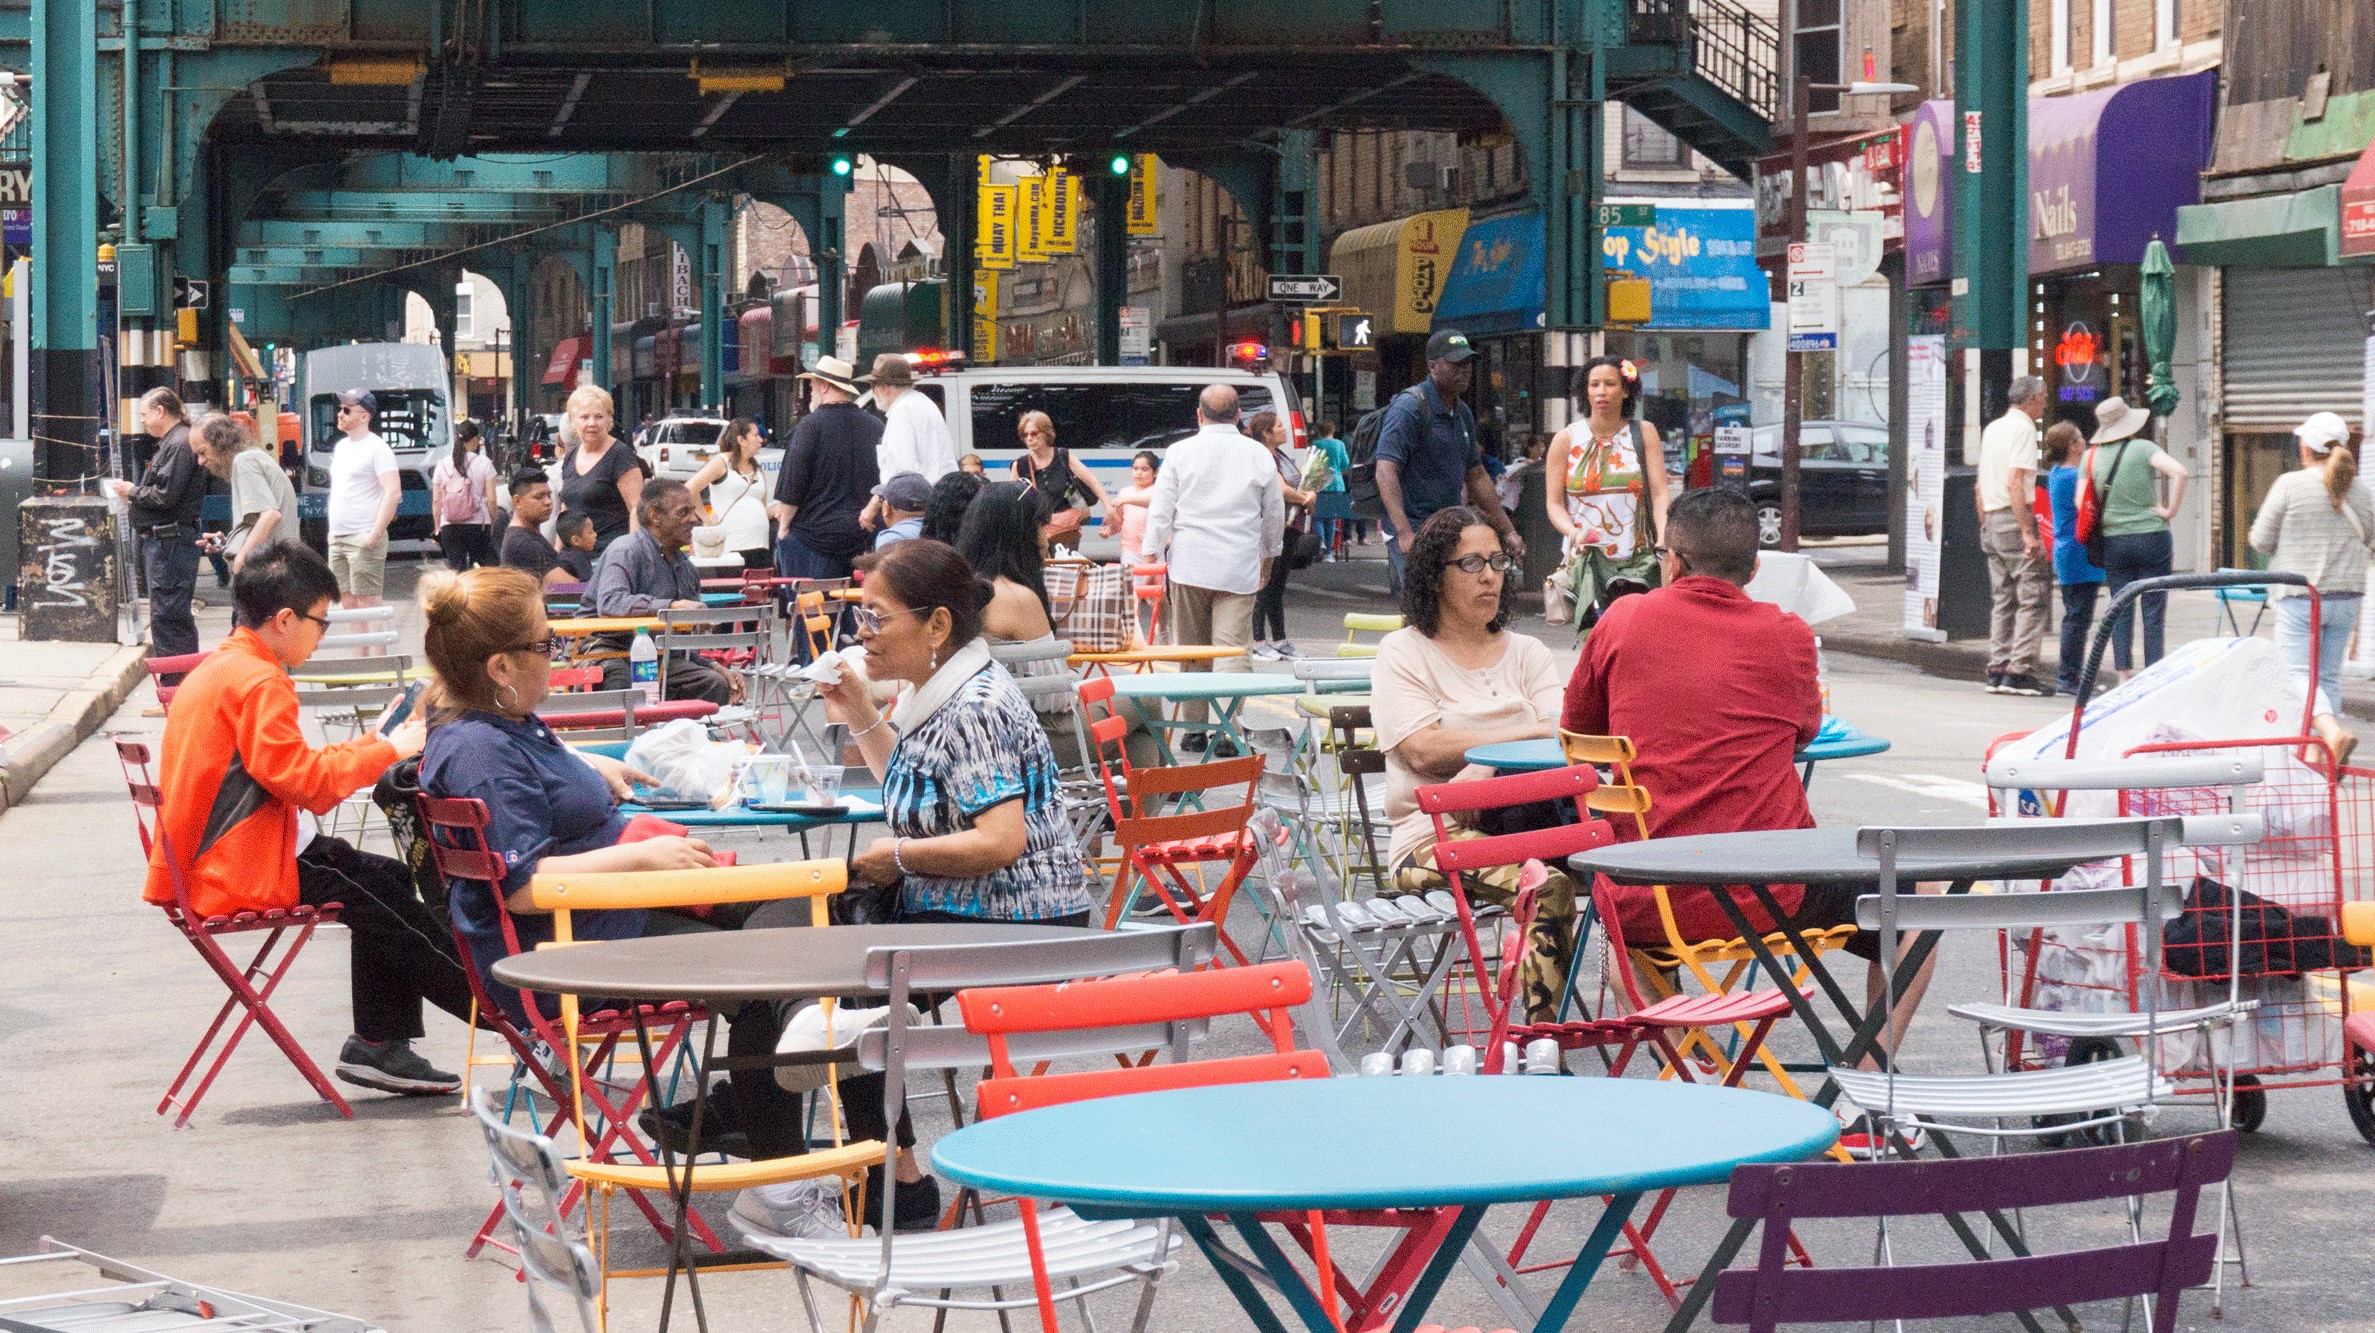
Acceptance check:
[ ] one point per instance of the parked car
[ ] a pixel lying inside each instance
(541, 439)
(1842, 480)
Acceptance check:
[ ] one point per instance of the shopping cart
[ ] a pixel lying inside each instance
(2263, 921)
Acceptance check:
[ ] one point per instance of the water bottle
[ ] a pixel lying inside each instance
(1543, 1057)
(1418, 1061)
(643, 667)
(1377, 1064)
(1459, 1059)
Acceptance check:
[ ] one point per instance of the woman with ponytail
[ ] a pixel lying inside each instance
(2318, 522)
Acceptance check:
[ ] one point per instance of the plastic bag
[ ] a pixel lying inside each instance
(683, 760)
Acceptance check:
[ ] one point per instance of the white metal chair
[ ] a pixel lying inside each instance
(557, 708)
(718, 629)
(127, 1299)
(1041, 672)
(555, 1265)
(987, 1262)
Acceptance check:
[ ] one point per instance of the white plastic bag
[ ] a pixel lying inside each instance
(683, 760)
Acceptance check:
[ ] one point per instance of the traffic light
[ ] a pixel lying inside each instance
(843, 164)
(1120, 165)
(1307, 330)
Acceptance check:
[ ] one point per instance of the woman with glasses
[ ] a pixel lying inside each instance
(1455, 678)
(552, 809)
(1065, 488)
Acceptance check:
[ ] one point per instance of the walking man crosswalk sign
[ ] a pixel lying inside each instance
(1356, 330)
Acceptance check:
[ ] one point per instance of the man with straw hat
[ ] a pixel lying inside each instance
(828, 477)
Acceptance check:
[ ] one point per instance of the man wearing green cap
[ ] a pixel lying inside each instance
(1427, 455)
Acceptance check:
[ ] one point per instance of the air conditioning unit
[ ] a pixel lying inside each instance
(653, 309)
(1432, 176)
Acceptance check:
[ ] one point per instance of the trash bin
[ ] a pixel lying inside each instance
(1962, 565)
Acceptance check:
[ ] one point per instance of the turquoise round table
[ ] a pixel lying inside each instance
(1348, 1143)
(1225, 691)
(1836, 740)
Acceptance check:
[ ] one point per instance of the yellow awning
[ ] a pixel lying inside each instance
(1396, 270)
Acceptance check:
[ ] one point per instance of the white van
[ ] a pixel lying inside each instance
(415, 416)
(1103, 414)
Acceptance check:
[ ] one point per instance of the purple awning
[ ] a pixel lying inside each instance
(1930, 170)
(2108, 170)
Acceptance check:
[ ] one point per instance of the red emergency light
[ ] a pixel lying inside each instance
(934, 358)
(1248, 350)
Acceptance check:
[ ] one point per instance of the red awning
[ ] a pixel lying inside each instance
(563, 369)
(2358, 208)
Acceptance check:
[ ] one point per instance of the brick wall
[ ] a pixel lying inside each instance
(2197, 19)
(2133, 28)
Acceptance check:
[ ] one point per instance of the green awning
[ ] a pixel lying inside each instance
(2299, 230)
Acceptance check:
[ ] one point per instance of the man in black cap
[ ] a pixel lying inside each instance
(1427, 455)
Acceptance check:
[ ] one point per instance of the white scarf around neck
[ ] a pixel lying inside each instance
(916, 706)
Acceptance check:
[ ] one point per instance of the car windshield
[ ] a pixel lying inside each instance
(688, 432)
(1102, 415)
(406, 419)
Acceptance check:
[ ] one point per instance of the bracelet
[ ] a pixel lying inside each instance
(896, 861)
(879, 719)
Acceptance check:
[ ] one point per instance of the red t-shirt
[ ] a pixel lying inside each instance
(1717, 692)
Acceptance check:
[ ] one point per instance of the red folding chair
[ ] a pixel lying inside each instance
(1162, 850)
(251, 986)
(160, 669)
(1148, 582)
(456, 830)
(1265, 993)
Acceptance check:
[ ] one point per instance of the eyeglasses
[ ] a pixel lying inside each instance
(548, 646)
(321, 623)
(1498, 562)
(869, 621)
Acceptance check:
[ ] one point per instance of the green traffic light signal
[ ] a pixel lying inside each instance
(843, 164)
(1120, 165)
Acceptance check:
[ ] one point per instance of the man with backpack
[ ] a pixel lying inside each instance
(1423, 454)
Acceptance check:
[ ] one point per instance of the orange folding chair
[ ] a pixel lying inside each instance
(251, 986)
(1266, 994)
(1160, 850)
(1149, 582)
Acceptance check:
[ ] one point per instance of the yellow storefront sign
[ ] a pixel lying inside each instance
(1030, 224)
(996, 240)
(985, 295)
(1398, 269)
(1142, 195)
(1058, 232)
(985, 339)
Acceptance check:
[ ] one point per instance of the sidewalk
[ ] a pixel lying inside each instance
(52, 695)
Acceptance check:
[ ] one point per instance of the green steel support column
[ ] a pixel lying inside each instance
(1582, 208)
(1294, 236)
(65, 360)
(603, 302)
(1113, 263)
(828, 247)
(526, 370)
(1991, 261)
(709, 266)
(130, 120)
(1554, 116)
(963, 175)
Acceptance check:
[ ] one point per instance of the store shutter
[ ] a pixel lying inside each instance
(2296, 343)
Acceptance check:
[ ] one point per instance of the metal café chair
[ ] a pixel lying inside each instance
(568, 714)
(556, 1266)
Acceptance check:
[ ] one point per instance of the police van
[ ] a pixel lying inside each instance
(1104, 415)
(415, 416)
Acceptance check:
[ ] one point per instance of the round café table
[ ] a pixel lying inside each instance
(722, 970)
(1347, 1143)
(1225, 691)
(858, 808)
(1145, 658)
(1836, 740)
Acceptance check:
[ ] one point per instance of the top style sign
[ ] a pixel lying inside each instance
(1306, 288)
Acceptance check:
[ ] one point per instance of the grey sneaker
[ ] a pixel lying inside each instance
(794, 1210)
(1287, 650)
(1264, 650)
(393, 1066)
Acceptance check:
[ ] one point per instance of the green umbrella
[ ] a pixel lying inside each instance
(2158, 306)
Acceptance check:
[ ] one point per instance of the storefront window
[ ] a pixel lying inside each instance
(1690, 384)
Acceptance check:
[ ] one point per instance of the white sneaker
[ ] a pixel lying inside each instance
(793, 1210)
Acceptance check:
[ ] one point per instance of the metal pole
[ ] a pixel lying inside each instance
(1793, 385)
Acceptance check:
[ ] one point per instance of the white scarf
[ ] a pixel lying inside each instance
(916, 706)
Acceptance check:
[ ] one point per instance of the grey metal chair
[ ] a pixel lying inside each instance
(717, 629)
(931, 1269)
(557, 707)
(555, 1265)
(129, 1299)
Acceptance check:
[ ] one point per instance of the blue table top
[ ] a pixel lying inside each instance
(1836, 740)
(857, 808)
(1380, 1142)
(1202, 685)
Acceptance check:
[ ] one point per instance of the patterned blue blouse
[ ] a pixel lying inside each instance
(983, 748)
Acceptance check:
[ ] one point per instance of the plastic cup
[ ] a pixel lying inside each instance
(767, 779)
(820, 784)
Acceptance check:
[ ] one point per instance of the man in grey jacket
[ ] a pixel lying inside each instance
(646, 573)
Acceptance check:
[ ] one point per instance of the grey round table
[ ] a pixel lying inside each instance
(1789, 856)
(728, 967)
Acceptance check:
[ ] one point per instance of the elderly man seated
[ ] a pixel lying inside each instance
(645, 573)
(1717, 692)
(240, 788)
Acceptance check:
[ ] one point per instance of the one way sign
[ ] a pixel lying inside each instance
(1356, 329)
(1306, 288)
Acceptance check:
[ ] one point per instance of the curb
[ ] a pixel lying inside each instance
(71, 721)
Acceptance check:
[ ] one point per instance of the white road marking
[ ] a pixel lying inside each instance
(1926, 784)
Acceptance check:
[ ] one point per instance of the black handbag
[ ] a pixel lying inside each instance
(867, 905)
(1303, 548)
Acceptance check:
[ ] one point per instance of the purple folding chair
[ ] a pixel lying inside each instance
(1774, 1293)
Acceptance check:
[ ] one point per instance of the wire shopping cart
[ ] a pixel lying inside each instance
(2261, 931)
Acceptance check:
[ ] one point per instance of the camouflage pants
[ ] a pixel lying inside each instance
(1550, 944)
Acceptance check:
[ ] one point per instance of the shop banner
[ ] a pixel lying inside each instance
(1030, 223)
(1925, 482)
(1142, 196)
(1059, 216)
(1701, 264)
(995, 241)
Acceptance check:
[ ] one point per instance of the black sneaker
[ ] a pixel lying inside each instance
(1995, 682)
(393, 1066)
(916, 1209)
(721, 1126)
(2028, 685)
(1194, 742)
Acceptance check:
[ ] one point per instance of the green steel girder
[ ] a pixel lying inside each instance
(297, 233)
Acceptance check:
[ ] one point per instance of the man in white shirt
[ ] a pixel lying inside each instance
(364, 493)
(1219, 518)
(914, 437)
(2018, 572)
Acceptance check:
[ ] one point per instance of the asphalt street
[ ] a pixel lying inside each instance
(269, 1191)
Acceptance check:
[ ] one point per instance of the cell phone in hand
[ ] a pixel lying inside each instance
(400, 707)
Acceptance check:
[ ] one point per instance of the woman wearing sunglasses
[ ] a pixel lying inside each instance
(1454, 679)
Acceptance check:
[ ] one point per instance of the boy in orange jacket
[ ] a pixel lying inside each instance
(236, 772)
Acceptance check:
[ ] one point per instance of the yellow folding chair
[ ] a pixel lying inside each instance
(1659, 966)
(1360, 622)
(818, 882)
